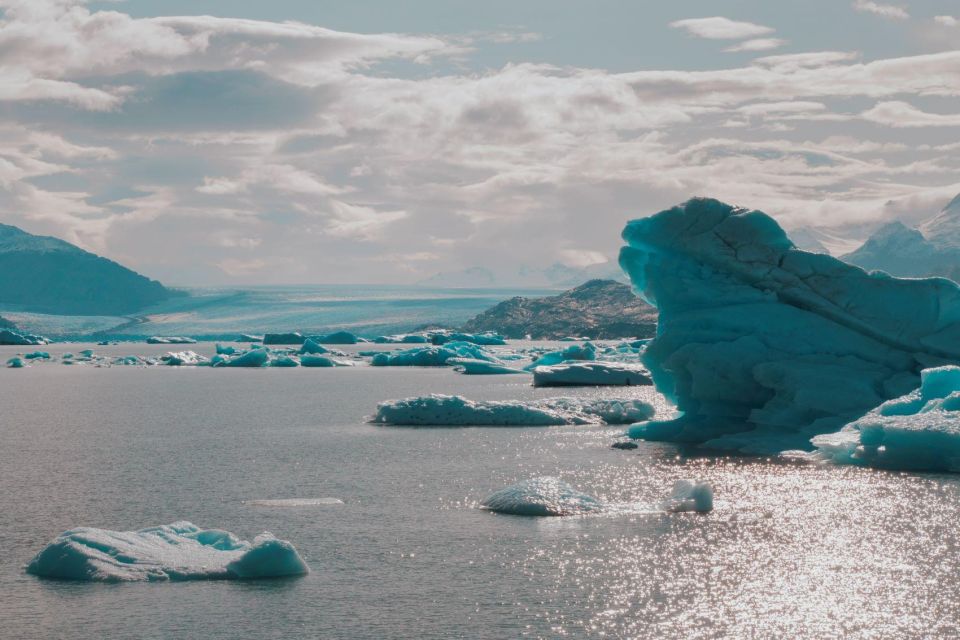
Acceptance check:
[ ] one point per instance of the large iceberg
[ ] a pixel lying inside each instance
(442, 410)
(544, 496)
(472, 366)
(179, 551)
(917, 432)
(583, 374)
(8, 337)
(763, 346)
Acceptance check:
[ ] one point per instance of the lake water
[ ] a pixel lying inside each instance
(790, 551)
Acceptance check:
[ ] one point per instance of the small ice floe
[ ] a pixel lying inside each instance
(583, 374)
(443, 410)
(16, 363)
(178, 551)
(294, 502)
(689, 495)
(177, 358)
(170, 340)
(545, 496)
(471, 366)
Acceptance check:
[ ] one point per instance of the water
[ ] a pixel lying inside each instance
(789, 551)
(217, 314)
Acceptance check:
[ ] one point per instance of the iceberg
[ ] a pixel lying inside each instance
(309, 346)
(763, 346)
(170, 340)
(544, 496)
(586, 351)
(37, 355)
(284, 361)
(417, 357)
(243, 337)
(178, 551)
(8, 337)
(412, 338)
(485, 339)
(337, 337)
(582, 374)
(16, 363)
(688, 495)
(175, 358)
(471, 366)
(321, 361)
(443, 410)
(279, 338)
(916, 432)
(225, 350)
(251, 358)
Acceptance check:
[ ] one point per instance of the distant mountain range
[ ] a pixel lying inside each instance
(599, 309)
(931, 249)
(557, 276)
(47, 275)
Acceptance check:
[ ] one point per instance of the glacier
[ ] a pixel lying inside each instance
(444, 410)
(178, 551)
(545, 496)
(762, 346)
(583, 374)
(919, 431)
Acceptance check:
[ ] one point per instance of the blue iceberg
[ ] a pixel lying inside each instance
(251, 358)
(443, 410)
(279, 338)
(309, 346)
(586, 351)
(763, 346)
(484, 339)
(16, 363)
(917, 432)
(431, 356)
(472, 366)
(170, 340)
(544, 496)
(337, 337)
(179, 551)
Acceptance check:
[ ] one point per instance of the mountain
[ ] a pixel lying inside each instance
(7, 324)
(600, 309)
(932, 249)
(47, 275)
(556, 276)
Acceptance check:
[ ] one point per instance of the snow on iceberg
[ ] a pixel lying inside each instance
(763, 346)
(586, 351)
(582, 374)
(170, 340)
(471, 366)
(917, 432)
(544, 496)
(442, 410)
(179, 551)
(173, 358)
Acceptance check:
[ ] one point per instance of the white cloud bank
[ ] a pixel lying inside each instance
(204, 149)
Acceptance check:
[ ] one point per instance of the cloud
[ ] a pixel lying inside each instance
(885, 10)
(947, 21)
(757, 44)
(902, 114)
(720, 28)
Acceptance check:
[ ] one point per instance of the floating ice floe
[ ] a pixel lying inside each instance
(16, 363)
(761, 345)
(544, 496)
(8, 337)
(917, 432)
(322, 361)
(251, 358)
(471, 366)
(37, 355)
(170, 340)
(284, 361)
(311, 347)
(175, 358)
(337, 337)
(179, 551)
(586, 351)
(283, 338)
(442, 410)
(548, 496)
(431, 356)
(581, 374)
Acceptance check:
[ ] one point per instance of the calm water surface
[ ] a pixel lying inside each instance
(790, 551)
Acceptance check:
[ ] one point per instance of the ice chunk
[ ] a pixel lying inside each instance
(284, 361)
(917, 432)
(590, 374)
(177, 358)
(689, 495)
(544, 496)
(18, 339)
(251, 358)
(37, 355)
(419, 357)
(282, 338)
(337, 337)
(243, 337)
(170, 340)
(413, 338)
(442, 410)
(309, 346)
(763, 346)
(586, 351)
(471, 366)
(225, 350)
(179, 551)
(16, 363)
(485, 339)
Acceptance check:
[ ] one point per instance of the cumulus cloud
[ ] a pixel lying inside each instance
(947, 21)
(720, 28)
(757, 44)
(282, 152)
(885, 10)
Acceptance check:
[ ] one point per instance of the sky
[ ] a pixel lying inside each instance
(211, 142)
